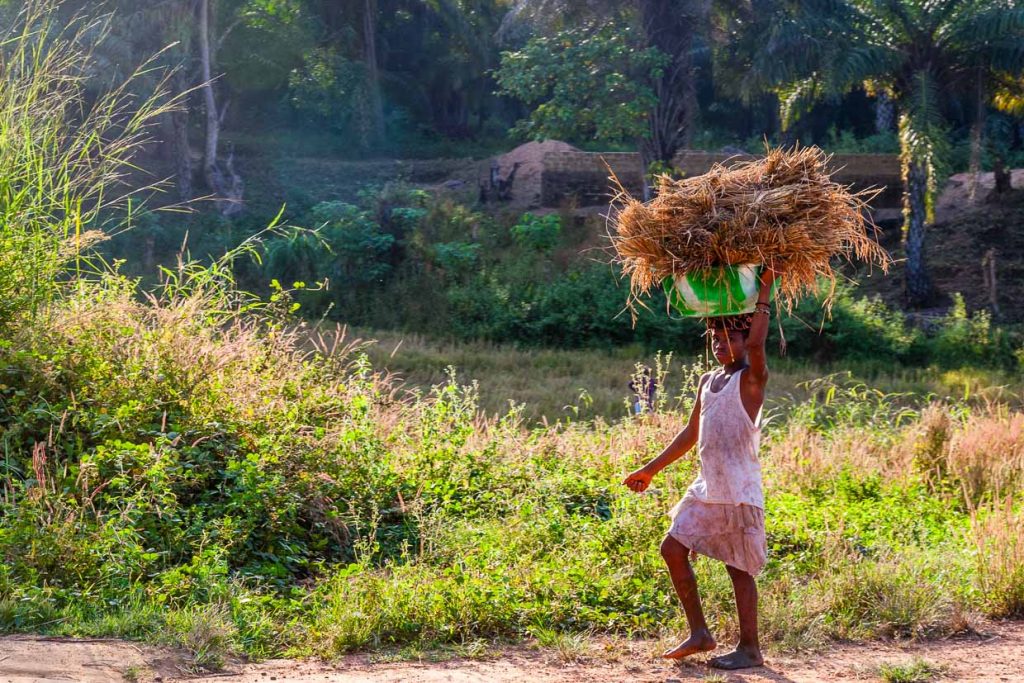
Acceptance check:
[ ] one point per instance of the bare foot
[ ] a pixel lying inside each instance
(701, 641)
(740, 658)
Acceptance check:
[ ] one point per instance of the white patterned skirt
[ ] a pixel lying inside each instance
(733, 534)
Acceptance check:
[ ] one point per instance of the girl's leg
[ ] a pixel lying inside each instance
(677, 558)
(748, 651)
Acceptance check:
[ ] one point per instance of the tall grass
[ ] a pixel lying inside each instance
(997, 533)
(64, 155)
(190, 465)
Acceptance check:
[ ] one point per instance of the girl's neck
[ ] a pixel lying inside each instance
(735, 366)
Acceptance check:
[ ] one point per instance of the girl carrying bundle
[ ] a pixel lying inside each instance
(722, 513)
(717, 244)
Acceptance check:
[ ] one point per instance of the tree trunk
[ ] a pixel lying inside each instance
(176, 127)
(1002, 175)
(977, 128)
(227, 187)
(373, 72)
(670, 26)
(885, 113)
(918, 284)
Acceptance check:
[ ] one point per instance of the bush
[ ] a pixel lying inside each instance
(347, 251)
(863, 329)
(970, 340)
(457, 259)
(537, 233)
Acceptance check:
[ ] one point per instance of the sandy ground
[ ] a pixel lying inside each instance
(997, 654)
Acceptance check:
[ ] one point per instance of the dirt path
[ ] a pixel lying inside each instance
(996, 655)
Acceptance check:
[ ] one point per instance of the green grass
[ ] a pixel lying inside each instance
(191, 466)
(580, 384)
(309, 507)
(916, 671)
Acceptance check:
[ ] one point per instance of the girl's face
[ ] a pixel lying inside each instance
(728, 347)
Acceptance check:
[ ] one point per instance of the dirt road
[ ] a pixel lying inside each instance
(995, 655)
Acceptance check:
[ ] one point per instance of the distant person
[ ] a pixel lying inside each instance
(722, 514)
(644, 388)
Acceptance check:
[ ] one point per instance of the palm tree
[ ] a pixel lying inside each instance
(922, 54)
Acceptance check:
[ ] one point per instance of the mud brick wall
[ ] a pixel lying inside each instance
(583, 177)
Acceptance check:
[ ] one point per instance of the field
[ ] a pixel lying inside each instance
(553, 384)
(203, 475)
(211, 484)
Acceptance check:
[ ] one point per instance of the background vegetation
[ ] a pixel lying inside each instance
(187, 463)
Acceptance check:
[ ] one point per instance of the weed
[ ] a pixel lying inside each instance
(915, 671)
(997, 533)
(134, 674)
(206, 633)
(716, 677)
(568, 647)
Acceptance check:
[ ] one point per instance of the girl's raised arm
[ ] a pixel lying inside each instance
(759, 329)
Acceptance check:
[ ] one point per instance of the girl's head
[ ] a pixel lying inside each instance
(729, 337)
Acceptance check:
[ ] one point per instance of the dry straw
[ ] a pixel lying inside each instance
(782, 210)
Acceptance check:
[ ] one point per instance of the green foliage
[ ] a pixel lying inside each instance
(971, 340)
(356, 239)
(332, 90)
(589, 82)
(853, 329)
(346, 250)
(845, 142)
(180, 479)
(458, 259)
(538, 233)
(865, 329)
(915, 671)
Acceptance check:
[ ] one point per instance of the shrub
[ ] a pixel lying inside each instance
(346, 250)
(964, 339)
(537, 233)
(856, 329)
(458, 259)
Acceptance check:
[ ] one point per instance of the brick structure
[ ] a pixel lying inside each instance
(584, 176)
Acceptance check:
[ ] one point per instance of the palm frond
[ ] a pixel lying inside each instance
(970, 31)
(887, 21)
(796, 99)
(853, 67)
(1008, 95)
(1006, 55)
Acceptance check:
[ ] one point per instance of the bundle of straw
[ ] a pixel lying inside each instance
(782, 211)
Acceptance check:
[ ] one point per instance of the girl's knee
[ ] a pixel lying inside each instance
(737, 573)
(671, 549)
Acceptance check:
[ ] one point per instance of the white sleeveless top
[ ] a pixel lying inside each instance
(730, 472)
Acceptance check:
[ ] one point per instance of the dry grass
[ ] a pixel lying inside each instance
(782, 210)
(553, 384)
(983, 451)
(987, 453)
(997, 532)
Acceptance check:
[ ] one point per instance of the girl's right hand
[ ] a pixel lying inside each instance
(638, 481)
